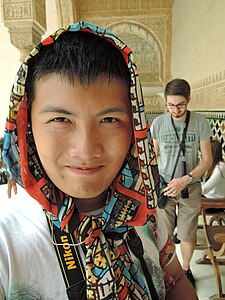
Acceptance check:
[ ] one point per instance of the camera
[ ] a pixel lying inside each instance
(185, 194)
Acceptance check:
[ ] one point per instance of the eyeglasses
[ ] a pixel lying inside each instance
(179, 106)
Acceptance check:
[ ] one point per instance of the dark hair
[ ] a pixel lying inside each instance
(217, 156)
(179, 87)
(81, 56)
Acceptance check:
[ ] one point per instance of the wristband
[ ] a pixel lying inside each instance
(191, 178)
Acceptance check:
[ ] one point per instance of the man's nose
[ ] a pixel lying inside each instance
(86, 143)
(176, 108)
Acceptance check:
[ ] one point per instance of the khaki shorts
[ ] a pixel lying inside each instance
(183, 213)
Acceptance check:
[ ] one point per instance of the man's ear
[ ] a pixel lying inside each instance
(188, 99)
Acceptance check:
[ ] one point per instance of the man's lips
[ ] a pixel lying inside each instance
(85, 170)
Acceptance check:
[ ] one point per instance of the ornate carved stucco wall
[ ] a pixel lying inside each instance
(145, 25)
(197, 39)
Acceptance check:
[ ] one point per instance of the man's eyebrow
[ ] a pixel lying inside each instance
(55, 109)
(114, 110)
(177, 103)
(60, 110)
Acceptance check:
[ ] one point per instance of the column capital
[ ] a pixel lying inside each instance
(26, 22)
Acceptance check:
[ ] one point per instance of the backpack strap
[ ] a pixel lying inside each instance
(70, 262)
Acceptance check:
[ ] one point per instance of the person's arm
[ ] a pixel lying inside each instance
(11, 185)
(181, 282)
(206, 161)
(176, 185)
(156, 147)
(214, 179)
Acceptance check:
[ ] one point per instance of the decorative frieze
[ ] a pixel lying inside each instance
(16, 10)
(209, 92)
(137, 5)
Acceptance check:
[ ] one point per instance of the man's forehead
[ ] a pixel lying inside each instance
(175, 99)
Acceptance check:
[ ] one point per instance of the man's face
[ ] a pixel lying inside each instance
(176, 105)
(82, 133)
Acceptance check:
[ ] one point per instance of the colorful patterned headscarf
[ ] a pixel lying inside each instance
(132, 201)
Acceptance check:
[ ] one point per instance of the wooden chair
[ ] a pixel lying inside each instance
(214, 230)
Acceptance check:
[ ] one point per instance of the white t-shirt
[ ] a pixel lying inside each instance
(214, 187)
(29, 268)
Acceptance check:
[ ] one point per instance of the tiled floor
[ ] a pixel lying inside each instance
(204, 274)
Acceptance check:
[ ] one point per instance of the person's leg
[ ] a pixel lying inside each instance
(187, 223)
(187, 249)
(170, 215)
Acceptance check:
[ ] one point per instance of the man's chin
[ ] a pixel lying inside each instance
(178, 116)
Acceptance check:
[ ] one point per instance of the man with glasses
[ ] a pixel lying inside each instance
(183, 189)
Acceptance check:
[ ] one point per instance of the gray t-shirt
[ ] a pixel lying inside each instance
(162, 130)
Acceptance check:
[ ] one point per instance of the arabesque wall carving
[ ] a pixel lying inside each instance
(209, 92)
(146, 48)
(21, 10)
(145, 25)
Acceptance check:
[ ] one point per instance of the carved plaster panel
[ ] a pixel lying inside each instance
(209, 92)
(146, 48)
(91, 6)
(154, 21)
(20, 10)
(154, 30)
(24, 39)
(26, 21)
(154, 103)
(16, 10)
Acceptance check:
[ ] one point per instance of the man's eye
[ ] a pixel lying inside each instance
(60, 119)
(109, 120)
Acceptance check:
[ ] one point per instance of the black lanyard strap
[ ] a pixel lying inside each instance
(70, 262)
(186, 123)
(181, 144)
(73, 270)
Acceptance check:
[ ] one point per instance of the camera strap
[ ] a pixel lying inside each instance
(136, 246)
(181, 142)
(72, 267)
(70, 262)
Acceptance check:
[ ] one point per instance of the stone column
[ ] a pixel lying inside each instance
(67, 12)
(26, 21)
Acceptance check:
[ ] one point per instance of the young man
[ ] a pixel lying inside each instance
(77, 141)
(184, 190)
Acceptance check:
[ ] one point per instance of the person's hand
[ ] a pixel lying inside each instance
(11, 185)
(176, 185)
